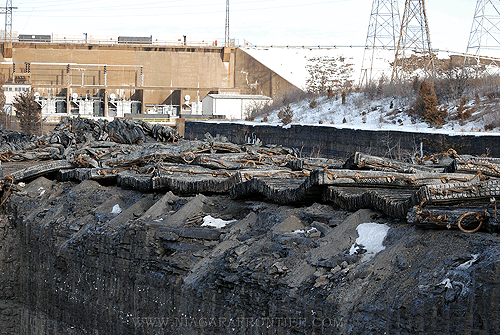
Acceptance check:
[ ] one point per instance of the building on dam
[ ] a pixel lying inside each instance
(136, 77)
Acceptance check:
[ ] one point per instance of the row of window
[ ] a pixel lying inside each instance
(16, 89)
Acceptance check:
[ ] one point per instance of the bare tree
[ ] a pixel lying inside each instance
(3, 113)
(28, 112)
(329, 73)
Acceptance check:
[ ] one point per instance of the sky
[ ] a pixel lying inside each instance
(260, 22)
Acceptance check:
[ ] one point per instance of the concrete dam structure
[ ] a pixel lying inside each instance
(154, 76)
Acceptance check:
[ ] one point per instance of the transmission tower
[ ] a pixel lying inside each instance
(383, 33)
(8, 20)
(227, 24)
(414, 50)
(485, 32)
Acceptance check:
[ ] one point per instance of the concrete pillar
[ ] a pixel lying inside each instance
(181, 126)
(68, 106)
(105, 103)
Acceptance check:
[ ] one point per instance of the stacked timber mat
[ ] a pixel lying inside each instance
(443, 190)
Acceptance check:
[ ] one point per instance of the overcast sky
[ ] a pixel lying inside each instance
(261, 22)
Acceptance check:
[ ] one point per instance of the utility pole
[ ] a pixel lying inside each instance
(414, 50)
(383, 33)
(485, 31)
(227, 25)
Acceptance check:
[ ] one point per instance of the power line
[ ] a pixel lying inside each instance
(141, 7)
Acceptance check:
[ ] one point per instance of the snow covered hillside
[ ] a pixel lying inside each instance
(359, 112)
(291, 63)
(297, 65)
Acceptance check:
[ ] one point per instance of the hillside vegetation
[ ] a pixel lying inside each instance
(455, 99)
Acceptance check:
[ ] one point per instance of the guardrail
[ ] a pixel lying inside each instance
(114, 40)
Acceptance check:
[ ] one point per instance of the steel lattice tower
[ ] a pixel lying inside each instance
(227, 24)
(414, 50)
(485, 31)
(8, 20)
(383, 33)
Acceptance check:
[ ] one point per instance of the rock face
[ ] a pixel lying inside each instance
(209, 237)
(85, 258)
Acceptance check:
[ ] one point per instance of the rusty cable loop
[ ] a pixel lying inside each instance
(480, 217)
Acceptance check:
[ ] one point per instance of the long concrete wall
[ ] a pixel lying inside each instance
(328, 141)
(156, 75)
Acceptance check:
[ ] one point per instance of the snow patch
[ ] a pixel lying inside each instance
(304, 231)
(42, 191)
(116, 209)
(468, 264)
(371, 237)
(446, 282)
(209, 221)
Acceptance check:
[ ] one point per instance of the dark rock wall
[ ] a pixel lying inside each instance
(327, 141)
(9, 276)
(76, 269)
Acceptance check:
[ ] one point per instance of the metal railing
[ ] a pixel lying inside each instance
(115, 40)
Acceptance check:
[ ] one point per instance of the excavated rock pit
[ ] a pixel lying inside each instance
(210, 238)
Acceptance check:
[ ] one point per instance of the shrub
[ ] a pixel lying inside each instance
(489, 127)
(286, 114)
(454, 81)
(463, 112)
(426, 105)
(313, 103)
(286, 98)
(344, 96)
(415, 84)
(330, 93)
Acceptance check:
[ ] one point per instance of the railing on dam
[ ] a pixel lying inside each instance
(117, 40)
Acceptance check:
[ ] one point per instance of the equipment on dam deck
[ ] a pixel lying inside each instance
(135, 40)
(232, 106)
(171, 110)
(79, 106)
(52, 106)
(35, 38)
(85, 106)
